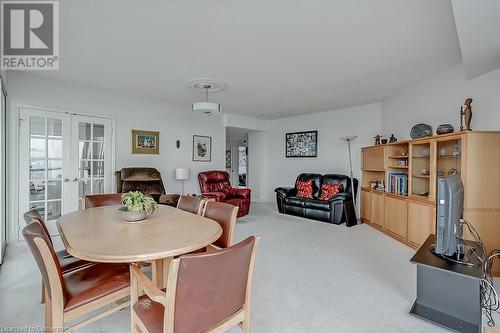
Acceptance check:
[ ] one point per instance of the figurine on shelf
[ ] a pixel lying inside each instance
(392, 139)
(377, 140)
(403, 152)
(466, 112)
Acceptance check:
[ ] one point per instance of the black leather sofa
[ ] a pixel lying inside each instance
(339, 209)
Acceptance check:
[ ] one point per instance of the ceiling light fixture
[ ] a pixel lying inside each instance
(206, 86)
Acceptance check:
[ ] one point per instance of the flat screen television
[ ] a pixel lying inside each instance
(450, 209)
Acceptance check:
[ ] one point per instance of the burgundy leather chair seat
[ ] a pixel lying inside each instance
(90, 283)
(151, 314)
(216, 184)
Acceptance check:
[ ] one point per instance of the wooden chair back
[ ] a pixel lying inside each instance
(99, 200)
(45, 256)
(224, 214)
(31, 215)
(206, 292)
(191, 204)
(221, 276)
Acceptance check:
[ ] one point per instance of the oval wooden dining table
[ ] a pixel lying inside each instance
(100, 235)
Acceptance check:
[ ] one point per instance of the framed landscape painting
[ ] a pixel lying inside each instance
(202, 148)
(145, 142)
(301, 144)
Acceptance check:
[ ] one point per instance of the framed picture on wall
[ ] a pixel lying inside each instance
(202, 148)
(228, 159)
(145, 142)
(301, 144)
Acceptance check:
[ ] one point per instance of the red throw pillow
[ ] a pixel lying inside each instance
(329, 190)
(305, 189)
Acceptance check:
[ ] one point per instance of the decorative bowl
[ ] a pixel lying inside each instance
(444, 129)
(132, 217)
(420, 131)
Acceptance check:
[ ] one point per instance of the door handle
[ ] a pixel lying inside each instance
(66, 180)
(75, 179)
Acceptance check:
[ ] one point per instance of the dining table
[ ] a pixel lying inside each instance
(101, 235)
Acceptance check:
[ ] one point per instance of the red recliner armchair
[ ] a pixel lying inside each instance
(216, 184)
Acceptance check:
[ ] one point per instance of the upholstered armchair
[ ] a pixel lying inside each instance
(145, 180)
(216, 184)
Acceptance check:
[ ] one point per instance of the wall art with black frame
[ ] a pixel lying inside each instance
(301, 144)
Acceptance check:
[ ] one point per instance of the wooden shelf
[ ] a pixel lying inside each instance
(410, 219)
(449, 156)
(398, 167)
(396, 195)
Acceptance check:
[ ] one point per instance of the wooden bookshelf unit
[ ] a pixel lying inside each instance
(410, 217)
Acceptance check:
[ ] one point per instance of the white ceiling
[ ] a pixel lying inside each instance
(478, 28)
(278, 58)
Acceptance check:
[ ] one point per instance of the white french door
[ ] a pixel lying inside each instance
(90, 158)
(62, 158)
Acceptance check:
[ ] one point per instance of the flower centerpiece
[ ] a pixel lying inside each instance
(137, 206)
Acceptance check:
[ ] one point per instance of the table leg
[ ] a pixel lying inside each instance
(159, 269)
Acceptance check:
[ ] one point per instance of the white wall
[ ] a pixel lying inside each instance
(258, 170)
(234, 120)
(363, 120)
(437, 100)
(173, 121)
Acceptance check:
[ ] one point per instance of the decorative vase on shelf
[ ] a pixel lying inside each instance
(444, 129)
(137, 207)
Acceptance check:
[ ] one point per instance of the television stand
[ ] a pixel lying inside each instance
(464, 255)
(448, 293)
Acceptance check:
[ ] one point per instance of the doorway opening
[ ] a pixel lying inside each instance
(237, 156)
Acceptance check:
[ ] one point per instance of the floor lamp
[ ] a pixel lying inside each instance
(182, 174)
(349, 139)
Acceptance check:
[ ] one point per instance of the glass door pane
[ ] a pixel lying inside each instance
(449, 158)
(43, 164)
(93, 139)
(3, 190)
(420, 166)
(45, 183)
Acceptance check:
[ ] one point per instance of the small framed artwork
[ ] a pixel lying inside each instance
(202, 148)
(301, 144)
(145, 142)
(228, 159)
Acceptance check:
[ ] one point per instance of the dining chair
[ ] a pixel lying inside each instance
(191, 204)
(224, 214)
(67, 262)
(206, 292)
(99, 200)
(73, 294)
